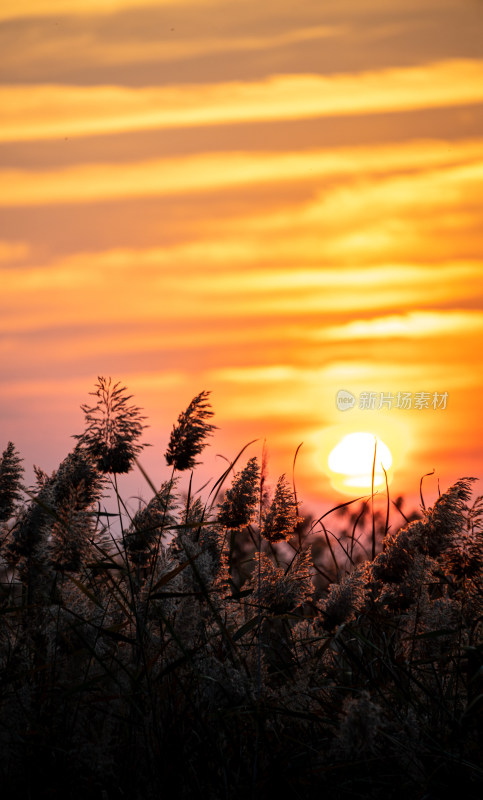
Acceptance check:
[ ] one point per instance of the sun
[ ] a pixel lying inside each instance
(351, 462)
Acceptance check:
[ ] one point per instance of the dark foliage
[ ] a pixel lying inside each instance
(11, 473)
(141, 668)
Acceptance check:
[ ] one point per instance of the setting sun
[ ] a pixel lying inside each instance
(352, 459)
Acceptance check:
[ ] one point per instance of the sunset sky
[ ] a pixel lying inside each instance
(273, 201)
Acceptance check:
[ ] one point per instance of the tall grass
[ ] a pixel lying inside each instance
(224, 647)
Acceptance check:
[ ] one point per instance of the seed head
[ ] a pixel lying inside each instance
(112, 428)
(70, 492)
(281, 518)
(187, 437)
(149, 524)
(281, 589)
(71, 533)
(446, 518)
(241, 500)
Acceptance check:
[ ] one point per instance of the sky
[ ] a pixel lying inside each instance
(275, 202)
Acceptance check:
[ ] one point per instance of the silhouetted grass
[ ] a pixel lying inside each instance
(226, 648)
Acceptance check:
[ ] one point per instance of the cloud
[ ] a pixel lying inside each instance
(34, 8)
(300, 390)
(170, 287)
(13, 251)
(412, 325)
(46, 49)
(13, 9)
(454, 165)
(55, 111)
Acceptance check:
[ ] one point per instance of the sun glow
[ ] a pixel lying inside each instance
(351, 462)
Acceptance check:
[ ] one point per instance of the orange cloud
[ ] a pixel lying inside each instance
(32, 8)
(13, 251)
(412, 325)
(73, 45)
(53, 111)
(453, 166)
(130, 287)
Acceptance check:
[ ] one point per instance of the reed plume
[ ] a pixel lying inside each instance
(187, 438)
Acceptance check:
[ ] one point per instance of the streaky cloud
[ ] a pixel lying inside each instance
(54, 111)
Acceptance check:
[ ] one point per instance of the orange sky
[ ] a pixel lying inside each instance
(272, 201)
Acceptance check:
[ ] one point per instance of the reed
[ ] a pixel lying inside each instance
(225, 647)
